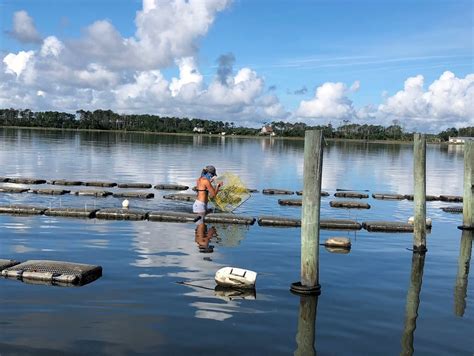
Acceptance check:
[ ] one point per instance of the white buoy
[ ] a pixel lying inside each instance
(125, 204)
(411, 221)
(233, 277)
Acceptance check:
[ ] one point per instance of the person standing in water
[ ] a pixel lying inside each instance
(204, 189)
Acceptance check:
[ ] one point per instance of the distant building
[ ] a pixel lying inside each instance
(459, 139)
(199, 129)
(267, 130)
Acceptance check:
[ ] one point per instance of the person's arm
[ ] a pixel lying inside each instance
(213, 192)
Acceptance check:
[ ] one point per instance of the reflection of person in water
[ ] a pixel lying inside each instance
(203, 236)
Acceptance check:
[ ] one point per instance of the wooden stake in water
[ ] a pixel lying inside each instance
(313, 164)
(419, 172)
(468, 201)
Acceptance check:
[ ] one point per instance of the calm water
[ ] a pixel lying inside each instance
(375, 300)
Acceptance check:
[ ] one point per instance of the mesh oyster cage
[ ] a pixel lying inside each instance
(56, 271)
(232, 194)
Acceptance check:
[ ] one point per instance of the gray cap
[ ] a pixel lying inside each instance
(211, 169)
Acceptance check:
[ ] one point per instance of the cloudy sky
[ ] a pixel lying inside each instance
(246, 61)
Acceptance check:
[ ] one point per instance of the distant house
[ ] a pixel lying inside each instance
(199, 129)
(267, 130)
(459, 139)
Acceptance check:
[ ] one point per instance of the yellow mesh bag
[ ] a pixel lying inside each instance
(232, 194)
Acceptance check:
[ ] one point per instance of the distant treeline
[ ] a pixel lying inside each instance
(108, 120)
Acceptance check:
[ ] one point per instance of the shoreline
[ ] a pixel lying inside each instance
(216, 135)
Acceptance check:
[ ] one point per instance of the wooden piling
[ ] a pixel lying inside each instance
(468, 201)
(310, 214)
(419, 197)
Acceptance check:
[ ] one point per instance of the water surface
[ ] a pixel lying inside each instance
(157, 293)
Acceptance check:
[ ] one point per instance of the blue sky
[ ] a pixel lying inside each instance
(244, 61)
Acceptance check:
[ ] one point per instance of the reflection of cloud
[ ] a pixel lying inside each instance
(97, 243)
(22, 249)
(210, 311)
(214, 305)
(146, 275)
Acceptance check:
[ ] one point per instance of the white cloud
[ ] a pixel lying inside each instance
(51, 47)
(96, 76)
(241, 89)
(355, 86)
(449, 101)
(188, 74)
(165, 31)
(17, 63)
(330, 102)
(24, 28)
(149, 89)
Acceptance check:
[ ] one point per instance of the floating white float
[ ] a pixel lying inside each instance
(411, 221)
(233, 277)
(125, 204)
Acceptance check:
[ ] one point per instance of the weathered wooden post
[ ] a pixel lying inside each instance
(312, 173)
(460, 290)
(413, 302)
(419, 197)
(306, 326)
(468, 201)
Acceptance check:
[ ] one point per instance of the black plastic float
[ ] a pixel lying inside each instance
(180, 197)
(92, 193)
(171, 187)
(72, 212)
(348, 204)
(229, 219)
(21, 210)
(100, 184)
(66, 182)
(428, 197)
(134, 185)
(13, 190)
(451, 198)
(172, 216)
(138, 195)
(388, 196)
(47, 191)
(121, 214)
(271, 191)
(354, 195)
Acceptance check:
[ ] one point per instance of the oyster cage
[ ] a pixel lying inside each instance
(51, 272)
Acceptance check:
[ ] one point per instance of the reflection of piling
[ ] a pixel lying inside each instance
(312, 172)
(413, 302)
(419, 198)
(306, 326)
(468, 201)
(460, 291)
